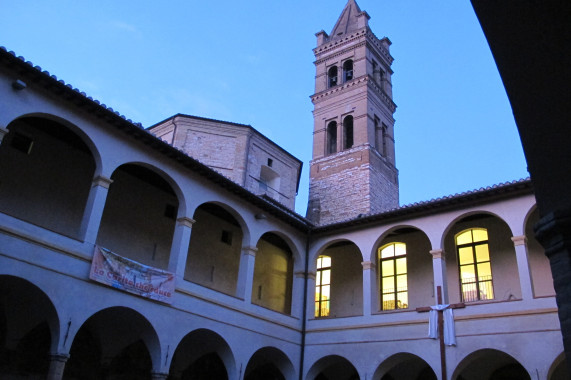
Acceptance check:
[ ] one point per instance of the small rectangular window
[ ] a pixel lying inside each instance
(22, 143)
(270, 162)
(226, 237)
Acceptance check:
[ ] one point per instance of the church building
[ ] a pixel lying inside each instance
(174, 251)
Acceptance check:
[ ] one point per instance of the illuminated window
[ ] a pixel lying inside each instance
(323, 286)
(394, 284)
(475, 265)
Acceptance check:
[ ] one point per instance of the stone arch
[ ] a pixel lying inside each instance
(468, 215)
(539, 266)
(489, 364)
(29, 328)
(203, 354)
(94, 150)
(339, 292)
(269, 363)
(48, 166)
(273, 274)
(140, 213)
(414, 277)
(558, 369)
(116, 341)
(498, 278)
(215, 247)
(332, 367)
(404, 365)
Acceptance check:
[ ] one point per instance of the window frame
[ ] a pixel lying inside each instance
(475, 263)
(319, 285)
(395, 274)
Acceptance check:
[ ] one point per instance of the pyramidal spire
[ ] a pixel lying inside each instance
(351, 19)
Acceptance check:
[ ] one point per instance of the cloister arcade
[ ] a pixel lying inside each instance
(240, 276)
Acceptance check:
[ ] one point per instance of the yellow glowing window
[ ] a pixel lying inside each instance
(475, 266)
(323, 286)
(393, 276)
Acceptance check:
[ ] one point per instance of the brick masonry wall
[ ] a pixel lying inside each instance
(350, 183)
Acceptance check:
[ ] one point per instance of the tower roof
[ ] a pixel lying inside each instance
(349, 21)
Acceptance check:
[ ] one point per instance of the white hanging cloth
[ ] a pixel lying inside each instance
(449, 331)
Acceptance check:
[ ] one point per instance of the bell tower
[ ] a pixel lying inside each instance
(352, 170)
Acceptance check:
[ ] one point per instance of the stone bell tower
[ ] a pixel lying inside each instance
(352, 171)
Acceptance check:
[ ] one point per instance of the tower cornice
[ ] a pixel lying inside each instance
(365, 33)
(364, 80)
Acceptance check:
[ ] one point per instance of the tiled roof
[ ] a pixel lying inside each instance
(464, 199)
(28, 72)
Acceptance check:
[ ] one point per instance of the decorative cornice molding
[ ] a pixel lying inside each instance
(360, 81)
(102, 181)
(438, 254)
(519, 240)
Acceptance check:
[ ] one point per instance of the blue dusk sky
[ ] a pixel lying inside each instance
(251, 62)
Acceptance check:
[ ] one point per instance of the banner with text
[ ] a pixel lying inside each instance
(133, 277)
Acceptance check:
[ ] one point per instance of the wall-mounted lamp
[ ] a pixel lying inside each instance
(19, 85)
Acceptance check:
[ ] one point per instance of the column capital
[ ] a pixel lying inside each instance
(299, 274)
(367, 265)
(249, 250)
(185, 221)
(519, 240)
(311, 276)
(59, 357)
(102, 181)
(437, 253)
(3, 132)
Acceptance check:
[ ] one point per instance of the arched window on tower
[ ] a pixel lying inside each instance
(332, 137)
(323, 286)
(347, 70)
(348, 132)
(332, 76)
(393, 273)
(475, 265)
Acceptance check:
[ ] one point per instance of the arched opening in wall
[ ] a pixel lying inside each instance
(559, 369)
(273, 274)
(46, 174)
(404, 270)
(403, 366)
(29, 328)
(542, 279)
(348, 132)
(490, 364)
(481, 263)
(332, 76)
(339, 281)
(347, 70)
(115, 343)
(214, 251)
(269, 363)
(139, 217)
(332, 367)
(202, 354)
(331, 144)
